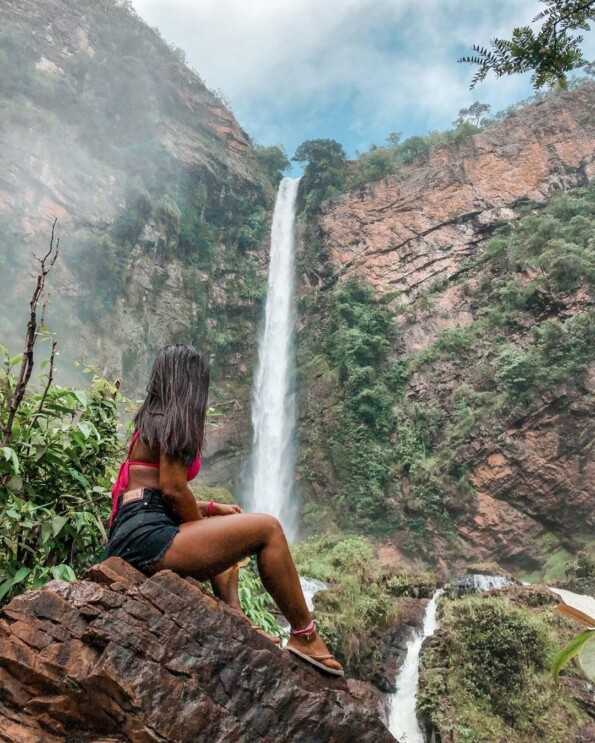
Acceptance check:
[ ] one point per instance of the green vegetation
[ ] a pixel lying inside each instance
(274, 161)
(356, 345)
(485, 674)
(55, 478)
(399, 464)
(356, 606)
(580, 573)
(549, 54)
(256, 602)
(324, 174)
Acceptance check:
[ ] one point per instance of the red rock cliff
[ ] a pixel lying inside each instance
(413, 236)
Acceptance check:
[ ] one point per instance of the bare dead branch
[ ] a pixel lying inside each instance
(27, 362)
(50, 378)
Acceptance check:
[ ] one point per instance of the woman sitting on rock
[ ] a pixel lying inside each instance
(157, 524)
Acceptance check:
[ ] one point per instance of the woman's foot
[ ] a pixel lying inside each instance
(264, 633)
(225, 586)
(311, 647)
(240, 612)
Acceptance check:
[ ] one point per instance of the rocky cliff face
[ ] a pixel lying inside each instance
(418, 227)
(119, 657)
(162, 205)
(524, 463)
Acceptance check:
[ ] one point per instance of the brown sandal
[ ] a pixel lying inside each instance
(264, 633)
(309, 633)
(314, 660)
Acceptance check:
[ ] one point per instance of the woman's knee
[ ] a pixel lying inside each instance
(271, 526)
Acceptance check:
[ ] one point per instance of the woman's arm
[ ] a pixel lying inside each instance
(177, 494)
(219, 509)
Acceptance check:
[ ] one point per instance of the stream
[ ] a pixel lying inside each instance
(403, 720)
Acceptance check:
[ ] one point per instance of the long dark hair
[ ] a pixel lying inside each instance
(172, 417)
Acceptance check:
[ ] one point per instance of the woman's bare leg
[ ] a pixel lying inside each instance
(203, 549)
(226, 587)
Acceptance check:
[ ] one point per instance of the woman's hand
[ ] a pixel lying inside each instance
(225, 509)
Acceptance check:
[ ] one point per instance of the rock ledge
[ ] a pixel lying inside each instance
(121, 657)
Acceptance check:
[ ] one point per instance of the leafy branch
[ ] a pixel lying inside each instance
(550, 53)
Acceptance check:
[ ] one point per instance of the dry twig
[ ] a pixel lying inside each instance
(46, 265)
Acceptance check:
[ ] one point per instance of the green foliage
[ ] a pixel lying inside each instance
(355, 606)
(55, 478)
(396, 464)
(358, 345)
(324, 175)
(476, 114)
(256, 602)
(274, 160)
(582, 644)
(486, 671)
(580, 573)
(498, 644)
(380, 162)
(549, 54)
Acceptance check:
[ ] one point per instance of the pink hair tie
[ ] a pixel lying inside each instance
(210, 509)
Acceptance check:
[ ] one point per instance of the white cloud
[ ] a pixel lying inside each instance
(302, 68)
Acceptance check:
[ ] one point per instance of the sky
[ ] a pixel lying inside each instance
(350, 70)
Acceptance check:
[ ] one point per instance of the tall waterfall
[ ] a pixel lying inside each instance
(273, 407)
(403, 720)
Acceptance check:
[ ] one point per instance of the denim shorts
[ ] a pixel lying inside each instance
(143, 530)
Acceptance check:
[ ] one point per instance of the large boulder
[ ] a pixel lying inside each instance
(121, 657)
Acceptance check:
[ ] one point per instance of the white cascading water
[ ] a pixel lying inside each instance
(481, 583)
(403, 720)
(273, 407)
(310, 587)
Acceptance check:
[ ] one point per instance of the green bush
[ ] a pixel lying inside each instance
(55, 480)
(486, 671)
(356, 605)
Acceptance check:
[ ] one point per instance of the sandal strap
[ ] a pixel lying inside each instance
(321, 657)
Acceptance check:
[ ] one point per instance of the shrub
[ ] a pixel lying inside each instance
(356, 604)
(55, 478)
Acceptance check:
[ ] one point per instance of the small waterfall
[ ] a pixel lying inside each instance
(310, 587)
(477, 583)
(403, 720)
(273, 408)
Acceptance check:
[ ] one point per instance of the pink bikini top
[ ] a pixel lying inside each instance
(121, 484)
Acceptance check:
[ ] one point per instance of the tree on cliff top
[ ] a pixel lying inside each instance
(325, 169)
(550, 53)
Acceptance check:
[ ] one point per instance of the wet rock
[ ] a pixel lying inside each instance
(393, 641)
(120, 657)
(476, 583)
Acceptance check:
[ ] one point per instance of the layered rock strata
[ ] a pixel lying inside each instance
(418, 226)
(127, 658)
(417, 237)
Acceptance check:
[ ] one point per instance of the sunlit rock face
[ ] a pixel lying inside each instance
(415, 237)
(410, 230)
(127, 658)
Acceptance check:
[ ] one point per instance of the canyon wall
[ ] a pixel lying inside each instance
(163, 206)
(419, 238)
